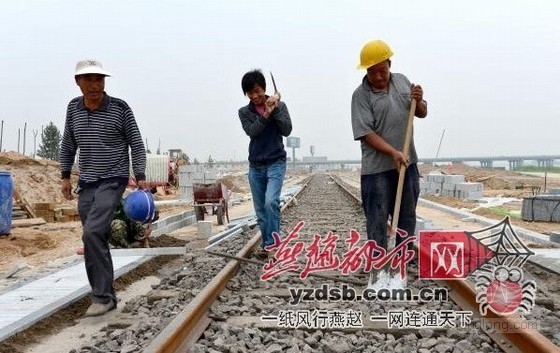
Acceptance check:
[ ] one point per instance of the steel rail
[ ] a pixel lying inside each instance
(463, 294)
(183, 330)
(178, 335)
(175, 336)
(520, 340)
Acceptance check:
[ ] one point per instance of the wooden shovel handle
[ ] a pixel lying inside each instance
(402, 169)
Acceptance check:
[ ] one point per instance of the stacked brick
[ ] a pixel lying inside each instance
(452, 186)
(51, 212)
(192, 174)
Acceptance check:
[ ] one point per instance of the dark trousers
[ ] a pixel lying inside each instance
(96, 205)
(378, 200)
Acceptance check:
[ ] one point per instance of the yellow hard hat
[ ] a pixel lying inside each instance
(373, 53)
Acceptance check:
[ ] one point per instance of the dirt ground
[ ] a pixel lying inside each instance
(44, 245)
(49, 244)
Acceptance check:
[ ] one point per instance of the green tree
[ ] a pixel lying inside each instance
(50, 142)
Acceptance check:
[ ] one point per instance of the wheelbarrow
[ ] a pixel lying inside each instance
(210, 199)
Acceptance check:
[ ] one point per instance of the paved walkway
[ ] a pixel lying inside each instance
(25, 305)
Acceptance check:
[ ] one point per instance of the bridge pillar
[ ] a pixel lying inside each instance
(545, 163)
(515, 163)
(486, 163)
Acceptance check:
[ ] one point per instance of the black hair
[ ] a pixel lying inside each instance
(252, 78)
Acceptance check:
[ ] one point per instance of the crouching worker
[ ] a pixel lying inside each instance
(132, 222)
(126, 233)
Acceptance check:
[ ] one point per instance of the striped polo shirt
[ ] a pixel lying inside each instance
(102, 138)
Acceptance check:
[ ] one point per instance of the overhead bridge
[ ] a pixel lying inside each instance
(485, 161)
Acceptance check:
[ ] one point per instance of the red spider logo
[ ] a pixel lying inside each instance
(504, 290)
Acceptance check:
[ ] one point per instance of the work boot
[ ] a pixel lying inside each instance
(97, 309)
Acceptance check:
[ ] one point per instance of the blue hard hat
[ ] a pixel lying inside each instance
(139, 206)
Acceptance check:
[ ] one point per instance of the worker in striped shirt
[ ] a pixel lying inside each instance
(103, 129)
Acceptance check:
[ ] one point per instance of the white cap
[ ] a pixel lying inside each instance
(89, 66)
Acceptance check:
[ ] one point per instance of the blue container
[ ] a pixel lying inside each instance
(6, 194)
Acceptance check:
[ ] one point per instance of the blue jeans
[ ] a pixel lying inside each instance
(378, 200)
(266, 183)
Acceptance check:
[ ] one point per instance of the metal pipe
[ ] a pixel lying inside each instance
(223, 238)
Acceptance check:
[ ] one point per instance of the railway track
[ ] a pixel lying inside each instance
(216, 300)
(244, 308)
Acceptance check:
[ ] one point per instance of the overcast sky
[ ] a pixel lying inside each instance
(490, 69)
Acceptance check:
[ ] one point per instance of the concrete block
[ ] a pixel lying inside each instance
(469, 186)
(204, 228)
(541, 208)
(449, 186)
(455, 178)
(437, 178)
(435, 185)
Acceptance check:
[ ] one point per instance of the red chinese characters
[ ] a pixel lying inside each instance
(321, 259)
(321, 256)
(286, 256)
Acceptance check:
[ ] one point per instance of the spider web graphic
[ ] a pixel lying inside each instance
(501, 238)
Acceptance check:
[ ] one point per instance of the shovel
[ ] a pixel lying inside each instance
(400, 185)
